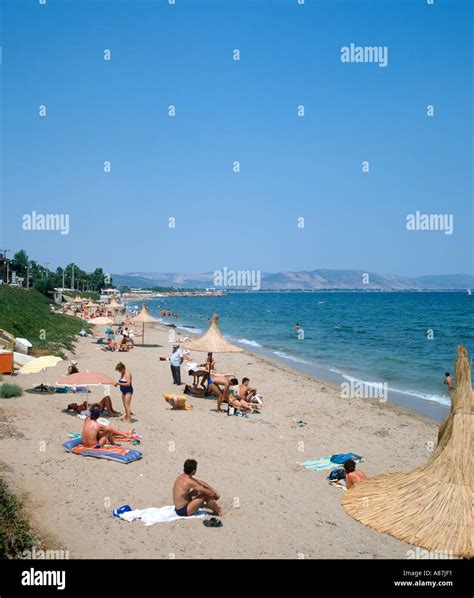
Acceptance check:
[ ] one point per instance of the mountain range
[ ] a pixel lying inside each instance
(305, 280)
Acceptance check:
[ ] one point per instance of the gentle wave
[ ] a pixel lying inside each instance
(413, 393)
(192, 330)
(290, 357)
(245, 341)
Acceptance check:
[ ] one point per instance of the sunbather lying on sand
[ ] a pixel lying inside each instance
(353, 477)
(190, 494)
(105, 403)
(97, 435)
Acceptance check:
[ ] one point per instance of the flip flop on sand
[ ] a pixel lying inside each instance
(212, 522)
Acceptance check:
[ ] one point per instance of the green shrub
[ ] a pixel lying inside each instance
(15, 532)
(7, 391)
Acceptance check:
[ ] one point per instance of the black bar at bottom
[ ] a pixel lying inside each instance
(168, 577)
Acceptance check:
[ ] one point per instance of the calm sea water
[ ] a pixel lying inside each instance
(375, 337)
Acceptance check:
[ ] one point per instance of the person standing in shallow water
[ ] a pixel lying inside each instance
(126, 388)
(448, 381)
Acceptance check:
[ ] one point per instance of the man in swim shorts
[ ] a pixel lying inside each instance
(96, 435)
(190, 494)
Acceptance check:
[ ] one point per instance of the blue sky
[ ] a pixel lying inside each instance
(243, 110)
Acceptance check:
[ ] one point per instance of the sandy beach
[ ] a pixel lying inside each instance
(276, 508)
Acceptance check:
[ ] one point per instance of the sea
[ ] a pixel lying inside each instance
(404, 341)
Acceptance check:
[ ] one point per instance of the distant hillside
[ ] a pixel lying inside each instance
(157, 279)
(306, 280)
(447, 281)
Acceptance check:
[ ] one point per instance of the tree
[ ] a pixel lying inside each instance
(44, 285)
(20, 263)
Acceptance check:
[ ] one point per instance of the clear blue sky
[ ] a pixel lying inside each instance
(227, 110)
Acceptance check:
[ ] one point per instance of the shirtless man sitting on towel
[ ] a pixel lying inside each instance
(95, 435)
(190, 494)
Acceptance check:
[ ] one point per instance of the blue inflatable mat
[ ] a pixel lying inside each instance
(131, 455)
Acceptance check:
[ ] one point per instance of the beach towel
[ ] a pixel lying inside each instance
(154, 515)
(318, 464)
(328, 463)
(111, 452)
(134, 438)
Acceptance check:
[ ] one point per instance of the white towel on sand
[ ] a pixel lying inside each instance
(154, 515)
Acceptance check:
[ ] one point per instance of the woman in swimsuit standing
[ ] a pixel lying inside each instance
(126, 388)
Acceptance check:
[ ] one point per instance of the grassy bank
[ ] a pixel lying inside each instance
(26, 313)
(15, 532)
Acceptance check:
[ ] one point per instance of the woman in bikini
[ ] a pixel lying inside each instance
(236, 397)
(126, 388)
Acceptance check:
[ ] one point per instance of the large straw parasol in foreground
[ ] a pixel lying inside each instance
(144, 318)
(213, 341)
(431, 506)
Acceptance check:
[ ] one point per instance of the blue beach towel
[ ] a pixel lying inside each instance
(318, 464)
(330, 462)
(128, 456)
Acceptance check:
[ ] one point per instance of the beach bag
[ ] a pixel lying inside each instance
(337, 474)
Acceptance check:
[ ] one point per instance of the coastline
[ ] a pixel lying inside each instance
(433, 413)
(434, 410)
(277, 509)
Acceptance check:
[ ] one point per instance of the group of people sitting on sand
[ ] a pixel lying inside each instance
(124, 345)
(225, 387)
(95, 410)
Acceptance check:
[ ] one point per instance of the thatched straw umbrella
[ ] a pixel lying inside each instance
(213, 341)
(144, 318)
(431, 506)
(114, 307)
